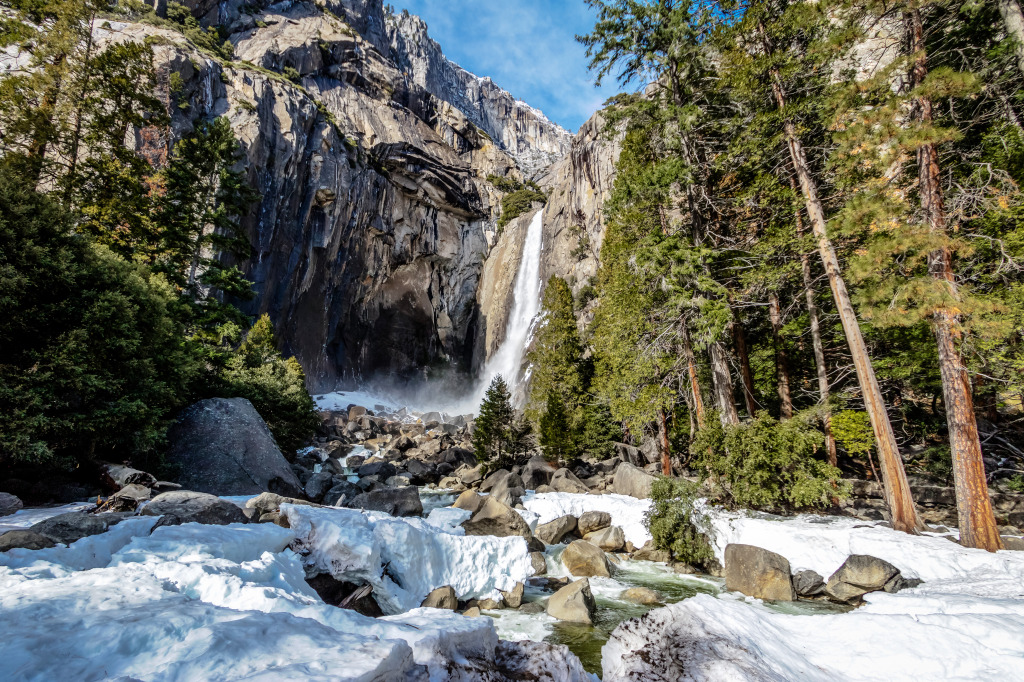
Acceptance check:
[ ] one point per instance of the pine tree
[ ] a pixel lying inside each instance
(556, 356)
(555, 432)
(492, 435)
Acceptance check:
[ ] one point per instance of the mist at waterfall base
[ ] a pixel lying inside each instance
(454, 393)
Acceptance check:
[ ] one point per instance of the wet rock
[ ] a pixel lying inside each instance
(495, 518)
(513, 598)
(493, 479)
(24, 539)
(532, 607)
(632, 481)
(534, 544)
(342, 491)
(442, 598)
(574, 603)
(468, 475)
(382, 470)
(641, 595)
(610, 539)
(508, 489)
(582, 558)
(552, 532)
(318, 485)
(594, 520)
(650, 553)
(345, 595)
(540, 564)
(861, 574)
(564, 481)
(398, 481)
(9, 504)
(265, 503)
(222, 446)
(808, 583)
(186, 506)
(757, 573)
(489, 605)
(393, 501)
(472, 612)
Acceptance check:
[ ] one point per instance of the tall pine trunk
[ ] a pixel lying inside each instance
(781, 361)
(722, 381)
(894, 478)
(974, 508)
(819, 347)
(691, 370)
(1013, 20)
(740, 339)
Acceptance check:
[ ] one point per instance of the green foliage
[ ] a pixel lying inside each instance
(768, 464)
(213, 40)
(94, 358)
(274, 385)
(504, 184)
(673, 523)
(1016, 483)
(555, 433)
(852, 431)
(517, 203)
(292, 74)
(557, 354)
(499, 437)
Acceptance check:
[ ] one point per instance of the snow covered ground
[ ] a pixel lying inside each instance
(626, 512)
(966, 622)
(198, 602)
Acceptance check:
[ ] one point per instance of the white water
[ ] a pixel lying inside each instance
(508, 359)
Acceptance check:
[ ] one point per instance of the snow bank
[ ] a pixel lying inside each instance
(966, 622)
(704, 638)
(626, 512)
(420, 555)
(822, 543)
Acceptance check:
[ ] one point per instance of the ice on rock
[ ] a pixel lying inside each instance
(354, 546)
(627, 512)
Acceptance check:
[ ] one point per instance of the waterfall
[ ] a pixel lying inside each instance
(508, 359)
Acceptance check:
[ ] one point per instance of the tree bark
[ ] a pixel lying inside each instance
(819, 347)
(666, 450)
(974, 508)
(691, 368)
(1013, 20)
(740, 339)
(781, 361)
(723, 385)
(894, 478)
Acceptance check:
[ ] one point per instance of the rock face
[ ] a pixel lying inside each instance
(861, 574)
(185, 506)
(584, 559)
(632, 481)
(757, 573)
(574, 603)
(222, 446)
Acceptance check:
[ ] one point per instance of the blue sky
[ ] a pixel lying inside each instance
(528, 47)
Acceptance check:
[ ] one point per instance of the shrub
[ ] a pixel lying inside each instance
(274, 385)
(292, 74)
(673, 523)
(517, 203)
(769, 464)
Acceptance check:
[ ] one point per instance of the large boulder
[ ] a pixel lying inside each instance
(808, 583)
(582, 558)
(187, 506)
(9, 504)
(442, 598)
(632, 481)
(393, 501)
(537, 472)
(24, 539)
(496, 518)
(470, 501)
(509, 489)
(594, 520)
(574, 603)
(539, 563)
(861, 574)
(318, 485)
(758, 573)
(265, 503)
(341, 492)
(552, 532)
(72, 526)
(222, 446)
(492, 479)
(642, 595)
(513, 598)
(610, 539)
(382, 470)
(651, 553)
(564, 481)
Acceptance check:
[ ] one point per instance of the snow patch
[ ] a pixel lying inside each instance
(627, 512)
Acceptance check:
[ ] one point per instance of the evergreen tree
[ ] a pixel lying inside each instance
(493, 437)
(555, 432)
(556, 356)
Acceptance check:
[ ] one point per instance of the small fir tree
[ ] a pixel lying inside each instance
(555, 434)
(492, 438)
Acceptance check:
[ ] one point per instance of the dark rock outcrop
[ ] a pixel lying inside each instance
(186, 506)
(222, 446)
(394, 501)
